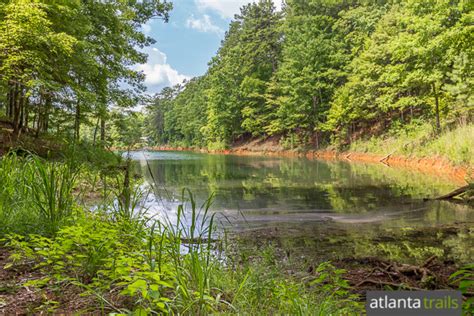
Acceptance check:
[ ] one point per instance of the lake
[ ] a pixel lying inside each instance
(327, 209)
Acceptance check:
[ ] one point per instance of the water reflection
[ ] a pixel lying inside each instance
(301, 198)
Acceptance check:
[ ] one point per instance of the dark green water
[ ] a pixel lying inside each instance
(328, 209)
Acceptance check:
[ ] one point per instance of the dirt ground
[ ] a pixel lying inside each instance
(17, 299)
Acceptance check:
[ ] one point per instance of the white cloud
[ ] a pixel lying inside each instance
(203, 24)
(146, 28)
(158, 72)
(161, 74)
(227, 8)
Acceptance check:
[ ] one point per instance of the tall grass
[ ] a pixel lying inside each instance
(192, 256)
(52, 188)
(15, 197)
(420, 140)
(35, 195)
(456, 144)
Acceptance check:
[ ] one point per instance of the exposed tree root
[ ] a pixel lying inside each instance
(429, 275)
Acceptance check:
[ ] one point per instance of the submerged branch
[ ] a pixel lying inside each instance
(452, 194)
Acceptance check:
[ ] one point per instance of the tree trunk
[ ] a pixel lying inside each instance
(38, 114)
(48, 104)
(102, 131)
(95, 131)
(22, 111)
(102, 115)
(35, 124)
(349, 135)
(126, 193)
(38, 125)
(26, 113)
(317, 139)
(77, 121)
(11, 100)
(438, 124)
(16, 112)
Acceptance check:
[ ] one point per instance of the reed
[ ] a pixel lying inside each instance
(52, 189)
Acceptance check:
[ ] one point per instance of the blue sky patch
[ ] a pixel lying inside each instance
(187, 42)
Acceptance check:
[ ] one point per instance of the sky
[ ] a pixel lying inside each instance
(186, 44)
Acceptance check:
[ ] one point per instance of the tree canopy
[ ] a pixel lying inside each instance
(65, 63)
(326, 71)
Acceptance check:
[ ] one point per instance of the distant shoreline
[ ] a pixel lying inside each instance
(432, 165)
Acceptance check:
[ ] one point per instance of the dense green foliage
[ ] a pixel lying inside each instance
(67, 63)
(325, 72)
(125, 261)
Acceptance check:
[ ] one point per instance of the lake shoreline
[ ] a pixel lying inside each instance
(432, 165)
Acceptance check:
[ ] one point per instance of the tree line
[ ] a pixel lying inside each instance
(322, 72)
(67, 63)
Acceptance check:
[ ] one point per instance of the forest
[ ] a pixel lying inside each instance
(324, 73)
(118, 201)
(66, 64)
(317, 74)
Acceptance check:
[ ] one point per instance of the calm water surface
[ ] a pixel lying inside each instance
(330, 208)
